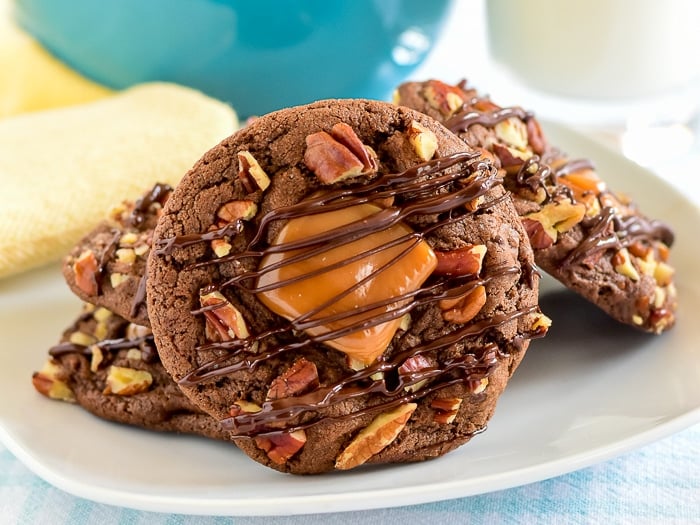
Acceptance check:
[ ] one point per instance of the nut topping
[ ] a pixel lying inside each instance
(462, 261)
(127, 381)
(227, 214)
(553, 218)
(411, 365)
(535, 137)
(280, 447)
(85, 269)
(338, 155)
(513, 132)
(423, 140)
(375, 437)
(252, 176)
(623, 264)
(300, 378)
(446, 409)
(466, 307)
(225, 318)
(47, 383)
(239, 209)
(444, 97)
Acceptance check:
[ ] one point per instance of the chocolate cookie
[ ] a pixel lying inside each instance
(595, 241)
(343, 283)
(108, 266)
(110, 367)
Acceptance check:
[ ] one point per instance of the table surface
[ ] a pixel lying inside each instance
(659, 483)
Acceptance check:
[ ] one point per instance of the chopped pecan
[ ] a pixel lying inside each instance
(230, 212)
(423, 140)
(466, 307)
(85, 269)
(300, 378)
(127, 381)
(445, 98)
(48, 383)
(445, 408)
(280, 447)
(461, 261)
(513, 132)
(338, 155)
(511, 158)
(539, 238)
(409, 367)
(663, 274)
(375, 437)
(237, 209)
(535, 137)
(554, 218)
(251, 175)
(623, 264)
(225, 318)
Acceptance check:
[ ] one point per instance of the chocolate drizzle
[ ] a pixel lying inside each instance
(144, 343)
(137, 219)
(158, 194)
(441, 189)
(609, 229)
(469, 117)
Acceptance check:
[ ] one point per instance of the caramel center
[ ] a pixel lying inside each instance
(340, 290)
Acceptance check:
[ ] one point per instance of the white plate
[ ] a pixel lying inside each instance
(590, 390)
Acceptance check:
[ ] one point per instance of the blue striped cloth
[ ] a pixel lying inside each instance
(658, 484)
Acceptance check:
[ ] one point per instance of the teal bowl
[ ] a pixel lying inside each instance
(258, 55)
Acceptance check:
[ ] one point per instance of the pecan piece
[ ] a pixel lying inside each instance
(539, 238)
(410, 368)
(535, 137)
(375, 437)
(338, 155)
(300, 378)
(238, 209)
(445, 98)
(464, 309)
(513, 132)
(511, 158)
(278, 447)
(554, 218)
(47, 383)
(251, 175)
(623, 264)
(127, 381)
(225, 318)
(423, 140)
(85, 269)
(446, 409)
(230, 212)
(461, 261)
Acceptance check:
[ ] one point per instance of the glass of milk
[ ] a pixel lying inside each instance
(640, 56)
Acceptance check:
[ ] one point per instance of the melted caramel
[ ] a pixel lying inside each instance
(339, 289)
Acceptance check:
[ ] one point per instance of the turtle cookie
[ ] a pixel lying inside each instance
(596, 242)
(110, 367)
(108, 266)
(343, 283)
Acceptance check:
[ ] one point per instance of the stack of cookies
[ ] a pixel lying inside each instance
(348, 282)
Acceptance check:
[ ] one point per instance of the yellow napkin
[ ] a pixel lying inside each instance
(61, 170)
(31, 79)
